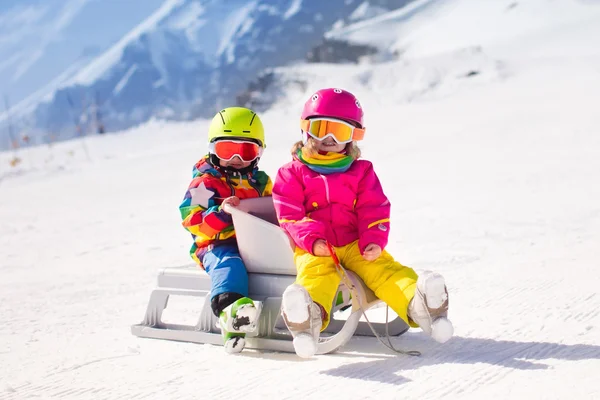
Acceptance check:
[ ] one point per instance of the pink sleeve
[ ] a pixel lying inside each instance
(373, 209)
(288, 197)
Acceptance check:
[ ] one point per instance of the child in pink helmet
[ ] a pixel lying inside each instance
(327, 196)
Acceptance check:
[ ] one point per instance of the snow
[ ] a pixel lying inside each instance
(189, 20)
(493, 181)
(366, 10)
(384, 30)
(125, 79)
(231, 27)
(427, 27)
(159, 47)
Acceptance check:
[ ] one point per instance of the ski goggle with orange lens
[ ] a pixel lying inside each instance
(340, 131)
(227, 149)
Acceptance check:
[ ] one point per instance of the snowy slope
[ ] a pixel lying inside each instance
(493, 183)
(428, 27)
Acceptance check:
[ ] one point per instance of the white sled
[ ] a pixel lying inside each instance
(268, 256)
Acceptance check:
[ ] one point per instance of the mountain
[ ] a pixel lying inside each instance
(415, 30)
(192, 57)
(430, 49)
(40, 40)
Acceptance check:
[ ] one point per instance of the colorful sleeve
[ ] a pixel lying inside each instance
(200, 214)
(373, 209)
(288, 198)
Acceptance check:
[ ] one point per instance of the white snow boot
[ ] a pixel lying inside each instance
(429, 307)
(302, 316)
(239, 316)
(235, 320)
(233, 342)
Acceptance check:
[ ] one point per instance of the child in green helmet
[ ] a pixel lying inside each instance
(228, 173)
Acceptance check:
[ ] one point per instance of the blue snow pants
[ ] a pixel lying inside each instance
(226, 270)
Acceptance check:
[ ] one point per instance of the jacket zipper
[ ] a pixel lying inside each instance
(228, 181)
(250, 180)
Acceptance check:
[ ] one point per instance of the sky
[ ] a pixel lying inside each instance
(39, 39)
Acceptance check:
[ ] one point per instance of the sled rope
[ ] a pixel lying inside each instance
(348, 282)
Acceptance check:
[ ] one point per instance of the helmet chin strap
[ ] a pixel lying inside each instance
(241, 171)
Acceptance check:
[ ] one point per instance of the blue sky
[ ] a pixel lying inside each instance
(39, 39)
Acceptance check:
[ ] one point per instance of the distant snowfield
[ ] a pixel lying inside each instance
(429, 27)
(493, 181)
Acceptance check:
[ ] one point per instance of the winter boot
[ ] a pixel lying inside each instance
(429, 307)
(239, 316)
(235, 320)
(303, 318)
(233, 342)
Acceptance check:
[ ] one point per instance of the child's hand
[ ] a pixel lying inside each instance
(320, 248)
(232, 201)
(372, 252)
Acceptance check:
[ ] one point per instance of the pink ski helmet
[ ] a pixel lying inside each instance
(334, 103)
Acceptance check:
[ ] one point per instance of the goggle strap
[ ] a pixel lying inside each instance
(304, 124)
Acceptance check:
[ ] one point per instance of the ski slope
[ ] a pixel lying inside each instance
(493, 182)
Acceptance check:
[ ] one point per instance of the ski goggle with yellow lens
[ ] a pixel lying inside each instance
(227, 149)
(340, 131)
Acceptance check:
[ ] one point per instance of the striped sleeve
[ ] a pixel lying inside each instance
(200, 214)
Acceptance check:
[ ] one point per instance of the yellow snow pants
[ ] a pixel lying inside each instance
(392, 282)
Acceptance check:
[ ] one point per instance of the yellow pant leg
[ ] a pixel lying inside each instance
(391, 281)
(320, 278)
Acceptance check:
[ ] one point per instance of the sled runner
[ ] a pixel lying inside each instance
(268, 255)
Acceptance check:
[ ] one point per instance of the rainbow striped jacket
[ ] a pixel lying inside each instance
(201, 206)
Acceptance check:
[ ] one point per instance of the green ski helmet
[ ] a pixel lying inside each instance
(237, 122)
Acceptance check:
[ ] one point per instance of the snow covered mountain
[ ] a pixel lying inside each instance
(191, 57)
(40, 40)
(429, 27)
(430, 49)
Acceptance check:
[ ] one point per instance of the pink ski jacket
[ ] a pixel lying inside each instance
(339, 207)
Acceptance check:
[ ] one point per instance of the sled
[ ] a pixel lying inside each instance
(267, 252)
